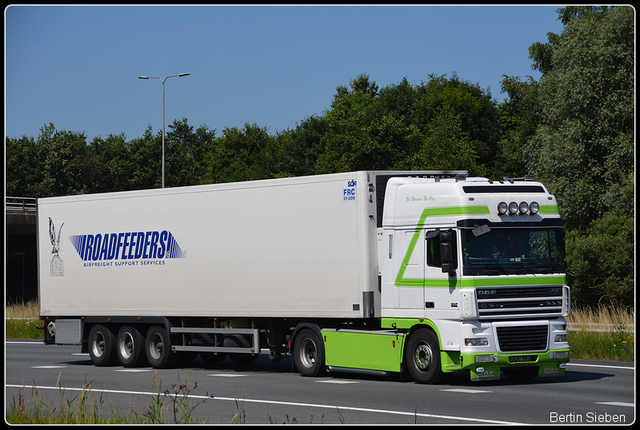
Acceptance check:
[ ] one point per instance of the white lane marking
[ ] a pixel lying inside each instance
(308, 405)
(48, 367)
(226, 375)
(601, 365)
(26, 341)
(84, 354)
(629, 405)
(465, 390)
(336, 381)
(133, 370)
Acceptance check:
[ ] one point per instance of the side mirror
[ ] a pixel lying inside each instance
(447, 253)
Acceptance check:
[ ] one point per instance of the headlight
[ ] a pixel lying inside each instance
(513, 208)
(523, 208)
(480, 341)
(534, 207)
(560, 355)
(502, 208)
(561, 338)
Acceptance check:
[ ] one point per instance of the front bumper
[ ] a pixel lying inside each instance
(486, 366)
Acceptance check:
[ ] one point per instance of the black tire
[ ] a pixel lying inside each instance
(521, 374)
(422, 357)
(157, 346)
(102, 346)
(239, 341)
(308, 353)
(130, 347)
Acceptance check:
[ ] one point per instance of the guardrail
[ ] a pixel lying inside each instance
(598, 327)
(20, 205)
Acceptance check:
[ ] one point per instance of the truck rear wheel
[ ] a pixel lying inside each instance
(157, 346)
(130, 346)
(309, 353)
(423, 356)
(101, 345)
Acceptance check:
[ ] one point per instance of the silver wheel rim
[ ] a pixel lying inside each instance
(155, 346)
(308, 350)
(97, 346)
(126, 345)
(423, 356)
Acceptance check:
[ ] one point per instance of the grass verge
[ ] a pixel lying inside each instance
(602, 334)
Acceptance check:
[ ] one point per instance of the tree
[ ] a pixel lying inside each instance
(23, 175)
(240, 155)
(113, 155)
(186, 152)
(583, 148)
(474, 107)
(519, 118)
(297, 150)
(600, 262)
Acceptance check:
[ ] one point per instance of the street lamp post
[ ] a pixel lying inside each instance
(163, 80)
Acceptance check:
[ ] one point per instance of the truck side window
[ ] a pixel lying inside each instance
(433, 252)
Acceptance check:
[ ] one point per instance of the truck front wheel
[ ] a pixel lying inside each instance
(157, 346)
(422, 356)
(101, 345)
(309, 353)
(130, 346)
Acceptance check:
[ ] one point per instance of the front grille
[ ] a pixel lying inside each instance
(518, 292)
(523, 338)
(500, 302)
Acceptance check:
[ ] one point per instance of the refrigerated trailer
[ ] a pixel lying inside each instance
(420, 273)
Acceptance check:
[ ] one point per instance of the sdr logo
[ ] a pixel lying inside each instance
(349, 193)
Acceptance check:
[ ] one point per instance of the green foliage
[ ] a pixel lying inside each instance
(583, 148)
(600, 262)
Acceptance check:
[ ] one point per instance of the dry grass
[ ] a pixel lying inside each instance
(602, 334)
(603, 317)
(21, 320)
(21, 309)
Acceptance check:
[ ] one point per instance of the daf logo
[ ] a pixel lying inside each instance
(486, 292)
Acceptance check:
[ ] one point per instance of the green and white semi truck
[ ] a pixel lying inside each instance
(420, 273)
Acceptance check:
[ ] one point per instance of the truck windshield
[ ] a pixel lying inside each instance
(514, 250)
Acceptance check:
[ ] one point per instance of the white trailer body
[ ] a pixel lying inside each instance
(295, 247)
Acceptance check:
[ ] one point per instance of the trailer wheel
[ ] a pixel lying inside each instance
(102, 346)
(309, 353)
(130, 346)
(422, 356)
(157, 346)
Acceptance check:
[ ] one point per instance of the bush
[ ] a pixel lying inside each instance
(600, 262)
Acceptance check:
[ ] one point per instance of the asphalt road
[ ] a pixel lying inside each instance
(589, 393)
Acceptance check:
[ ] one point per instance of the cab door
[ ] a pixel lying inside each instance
(410, 270)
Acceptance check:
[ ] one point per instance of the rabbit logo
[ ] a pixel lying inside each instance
(57, 265)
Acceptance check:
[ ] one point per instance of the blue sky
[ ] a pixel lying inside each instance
(78, 66)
